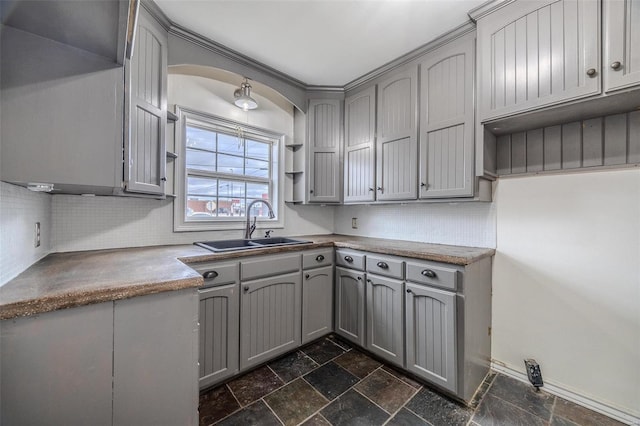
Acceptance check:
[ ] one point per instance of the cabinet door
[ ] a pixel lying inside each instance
(350, 301)
(145, 152)
(155, 359)
(219, 333)
(431, 335)
(446, 121)
(535, 53)
(324, 150)
(317, 303)
(359, 149)
(385, 318)
(622, 43)
(396, 146)
(269, 318)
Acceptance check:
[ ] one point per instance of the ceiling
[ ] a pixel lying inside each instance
(320, 42)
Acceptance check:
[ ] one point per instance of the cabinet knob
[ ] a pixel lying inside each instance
(369, 281)
(209, 275)
(429, 273)
(311, 191)
(382, 265)
(409, 291)
(246, 288)
(423, 185)
(616, 65)
(164, 179)
(348, 259)
(370, 189)
(319, 258)
(380, 188)
(306, 276)
(591, 72)
(359, 278)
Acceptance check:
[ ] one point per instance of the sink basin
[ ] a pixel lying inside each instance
(242, 244)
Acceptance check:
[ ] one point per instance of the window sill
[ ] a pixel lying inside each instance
(224, 226)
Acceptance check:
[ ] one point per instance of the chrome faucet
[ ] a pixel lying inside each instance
(252, 227)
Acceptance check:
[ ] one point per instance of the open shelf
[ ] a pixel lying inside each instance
(171, 117)
(294, 172)
(293, 145)
(171, 155)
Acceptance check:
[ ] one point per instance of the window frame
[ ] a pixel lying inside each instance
(223, 125)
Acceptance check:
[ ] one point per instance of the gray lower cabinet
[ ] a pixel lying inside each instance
(385, 318)
(317, 303)
(431, 335)
(270, 314)
(219, 333)
(350, 305)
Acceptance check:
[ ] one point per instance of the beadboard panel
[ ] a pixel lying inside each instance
(613, 140)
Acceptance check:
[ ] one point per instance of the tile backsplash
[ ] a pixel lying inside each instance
(20, 209)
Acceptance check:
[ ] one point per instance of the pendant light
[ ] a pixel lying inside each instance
(243, 97)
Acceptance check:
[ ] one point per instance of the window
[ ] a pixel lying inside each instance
(225, 166)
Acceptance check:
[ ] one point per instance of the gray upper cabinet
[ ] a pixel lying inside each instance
(350, 305)
(317, 302)
(621, 44)
(324, 129)
(385, 318)
(359, 147)
(270, 315)
(431, 335)
(533, 54)
(145, 153)
(396, 145)
(447, 121)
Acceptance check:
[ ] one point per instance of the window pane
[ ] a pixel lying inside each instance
(258, 150)
(258, 190)
(230, 207)
(202, 139)
(230, 145)
(200, 208)
(229, 188)
(259, 209)
(256, 168)
(230, 164)
(201, 160)
(201, 186)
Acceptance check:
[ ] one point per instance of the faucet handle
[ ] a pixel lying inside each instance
(267, 233)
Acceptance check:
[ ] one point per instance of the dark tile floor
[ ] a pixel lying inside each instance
(330, 383)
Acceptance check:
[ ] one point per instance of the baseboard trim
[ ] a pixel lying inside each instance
(571, 395)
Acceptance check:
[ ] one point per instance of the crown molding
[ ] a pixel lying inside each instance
(486, 8)
(157, 13)
(445, 38)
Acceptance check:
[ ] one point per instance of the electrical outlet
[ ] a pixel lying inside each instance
(37, 239)
(354, 222)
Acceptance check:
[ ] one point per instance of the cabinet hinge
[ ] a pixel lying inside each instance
(489, 331)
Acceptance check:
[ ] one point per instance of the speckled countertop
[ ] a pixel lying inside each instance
(64, 280)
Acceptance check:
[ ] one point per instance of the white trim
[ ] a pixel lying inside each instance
(570, 395)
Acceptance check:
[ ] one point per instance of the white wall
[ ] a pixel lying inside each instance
(566, 282)
(466, 224)
(20, 209)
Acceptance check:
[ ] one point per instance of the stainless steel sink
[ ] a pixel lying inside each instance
(221, 246)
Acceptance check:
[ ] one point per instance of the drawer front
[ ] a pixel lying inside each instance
(385, 266)
(432, 274)
(216, 273)
(317, 258)
(268, 266)
(350, 259)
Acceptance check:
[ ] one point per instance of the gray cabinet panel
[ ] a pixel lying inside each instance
(350, 305)
(359, 149)
(269, 265)
(350, 259)
(145, 151)
(431, 335)
(219, 333)
(155, 373)
(317, 303)
(56, 367)
(396, 144)
(385, 318)
(537, 53)
(433, 274)
(384, 265)
(447, 120)
(317, 258)
(325, 123)
(270, 315)
(621, 44)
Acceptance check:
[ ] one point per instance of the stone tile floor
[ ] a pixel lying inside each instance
(330, 383)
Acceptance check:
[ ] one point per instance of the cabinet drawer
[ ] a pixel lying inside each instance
(350, 259)
(432, 274)
(268, 266)
(317, 258)
(216, 273)
(386, 266)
